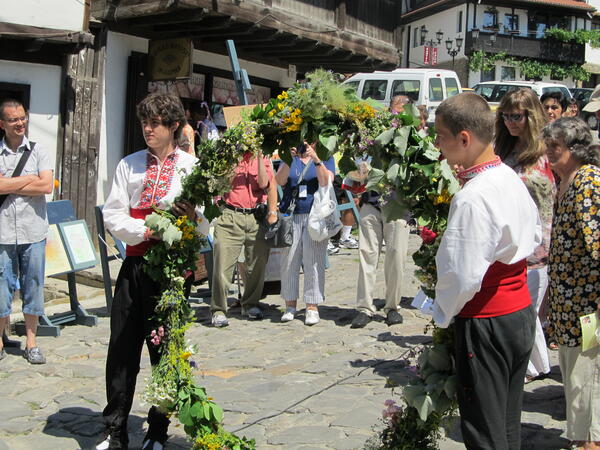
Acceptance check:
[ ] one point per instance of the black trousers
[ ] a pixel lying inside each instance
(131, 322)
(491, 361)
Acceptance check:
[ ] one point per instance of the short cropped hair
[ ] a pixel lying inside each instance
(166, 106)
(10, 102)
(467, 112)
(577, 137)
(556, 95)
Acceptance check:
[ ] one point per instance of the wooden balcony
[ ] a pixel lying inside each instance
(524, 47)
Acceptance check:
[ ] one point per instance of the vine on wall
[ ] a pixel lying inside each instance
(591, 37)
(530, 68)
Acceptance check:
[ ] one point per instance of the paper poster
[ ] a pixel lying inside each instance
(589, 330)
(57, 261)
(423, 303)
(192, 88)
(79, 244)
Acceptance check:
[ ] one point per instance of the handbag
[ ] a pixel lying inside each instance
(324, 218)
(281, 233)
(17, 172)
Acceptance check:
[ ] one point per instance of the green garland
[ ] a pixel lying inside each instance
(530, 68)
(591, 37)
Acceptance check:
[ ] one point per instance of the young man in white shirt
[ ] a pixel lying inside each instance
(143, 180)
(493, 226)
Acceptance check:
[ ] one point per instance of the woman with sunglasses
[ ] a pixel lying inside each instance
(519, 121)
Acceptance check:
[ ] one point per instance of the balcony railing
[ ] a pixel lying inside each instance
(525, 47)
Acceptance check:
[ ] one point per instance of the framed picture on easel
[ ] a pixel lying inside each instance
(78, 243)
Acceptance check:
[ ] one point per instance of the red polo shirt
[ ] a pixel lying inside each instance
(245, 192)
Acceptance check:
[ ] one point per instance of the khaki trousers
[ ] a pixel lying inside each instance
(234, 230)
(373, 231)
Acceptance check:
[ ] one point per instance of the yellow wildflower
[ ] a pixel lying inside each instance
(280, 106)
(185, 355)
(271, 113)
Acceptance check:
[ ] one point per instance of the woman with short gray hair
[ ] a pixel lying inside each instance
(574, 272)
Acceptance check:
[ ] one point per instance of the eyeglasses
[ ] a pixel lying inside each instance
(14, 120)
(513, 117)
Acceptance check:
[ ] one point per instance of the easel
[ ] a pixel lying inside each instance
(58, 212)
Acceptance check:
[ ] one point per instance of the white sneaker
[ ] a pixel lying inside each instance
(288, 315)
(312, 317)
(152, 445)
(349, 243)
(332, 249)
(219, 320)
(104, 444)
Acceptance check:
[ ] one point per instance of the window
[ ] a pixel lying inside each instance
(353, 85)
(507, 73)
(374, 89)
(536, 25)
(410, 88)
(511, 23)
(460, 21)
(488, 75)
(490, 18)
(422, 35)
(436, 94)
(416, 37)
(485, 91)
(501, 90)
(451, 87)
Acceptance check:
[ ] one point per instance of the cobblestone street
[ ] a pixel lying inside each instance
(286, 385)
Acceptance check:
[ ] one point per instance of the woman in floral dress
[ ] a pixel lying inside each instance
(519, 122)
(574, 272)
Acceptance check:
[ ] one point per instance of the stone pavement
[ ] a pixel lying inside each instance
(286, 385)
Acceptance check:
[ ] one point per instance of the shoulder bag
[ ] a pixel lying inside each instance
(281, 233)
(18, 169)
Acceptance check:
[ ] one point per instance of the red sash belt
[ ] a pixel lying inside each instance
(141, 248)
(503, 291)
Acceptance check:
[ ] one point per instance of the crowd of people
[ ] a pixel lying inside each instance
(518, 265)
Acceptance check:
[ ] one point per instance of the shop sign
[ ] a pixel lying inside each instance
(170, 59)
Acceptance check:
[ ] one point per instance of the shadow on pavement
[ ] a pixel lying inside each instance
(534, 437)
(548, 400)
(84, 426)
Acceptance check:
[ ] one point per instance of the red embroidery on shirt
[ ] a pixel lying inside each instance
(157, 181)
(471, 172)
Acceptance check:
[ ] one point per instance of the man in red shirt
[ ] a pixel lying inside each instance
(236, 228)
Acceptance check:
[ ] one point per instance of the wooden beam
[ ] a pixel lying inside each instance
(340, 14)
(254, 12)
(168, 19)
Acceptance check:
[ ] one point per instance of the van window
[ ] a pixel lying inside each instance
(410, 88)
(375, 89)
(503, 89)
(485, 90)
(435, 90)
(451, 87)
(353, 85)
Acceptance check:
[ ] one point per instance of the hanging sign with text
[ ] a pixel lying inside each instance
(170, 59)
(427, 55)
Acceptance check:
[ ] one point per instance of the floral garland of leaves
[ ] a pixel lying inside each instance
(409, 173)
(591, 37)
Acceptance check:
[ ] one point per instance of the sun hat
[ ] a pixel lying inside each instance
(593, 104)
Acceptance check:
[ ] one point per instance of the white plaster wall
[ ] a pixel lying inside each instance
(118, 48)
(59, 14)
(44, 107)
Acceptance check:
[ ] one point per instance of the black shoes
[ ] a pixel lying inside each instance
(393, 318)
(361, 320)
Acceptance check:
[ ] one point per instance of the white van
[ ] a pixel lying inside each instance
(427, 87)
(493, 91)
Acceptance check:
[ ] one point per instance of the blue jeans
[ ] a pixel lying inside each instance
(25, 264)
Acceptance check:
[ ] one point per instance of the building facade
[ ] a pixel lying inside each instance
(515, 29)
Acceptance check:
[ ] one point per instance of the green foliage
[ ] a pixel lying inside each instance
(591, 37)
(530, 68)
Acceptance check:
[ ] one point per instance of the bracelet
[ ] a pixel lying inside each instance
(318, 164)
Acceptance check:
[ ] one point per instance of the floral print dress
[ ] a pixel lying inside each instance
(574, 261)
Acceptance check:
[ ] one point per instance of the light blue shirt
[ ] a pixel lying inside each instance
(23, 218)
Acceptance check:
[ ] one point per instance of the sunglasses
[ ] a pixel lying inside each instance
(513, 117)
